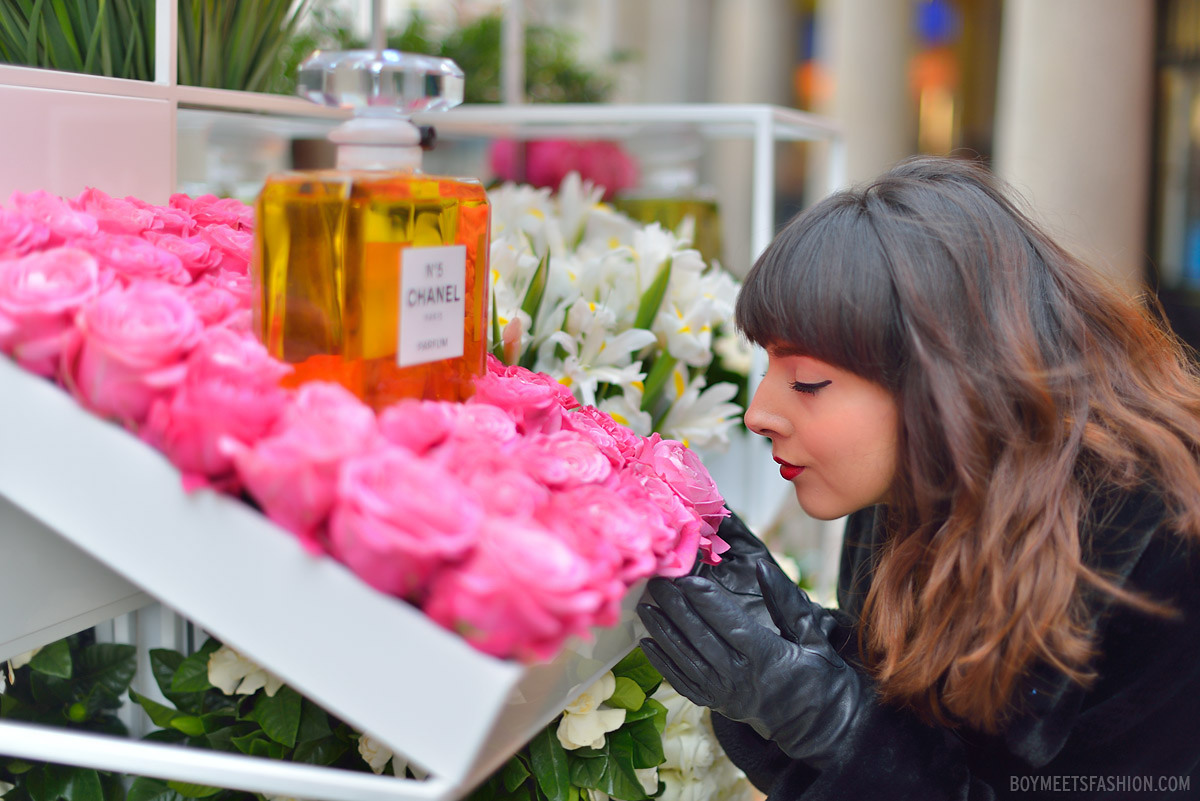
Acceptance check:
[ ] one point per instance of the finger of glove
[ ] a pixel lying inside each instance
(791, 609)
(686, 662)
(686, 639)
(733, 627)
(676, 677)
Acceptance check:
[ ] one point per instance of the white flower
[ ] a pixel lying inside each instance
(695, 768)
(586, 720)
(5, 787)
(626, 409)
(649, 779)
(701, 417)
(15, 663)
(376, 754)
(735, 352)
(233, 673)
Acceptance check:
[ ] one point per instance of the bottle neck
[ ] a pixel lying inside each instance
(377, 143)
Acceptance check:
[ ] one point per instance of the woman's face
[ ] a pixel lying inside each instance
(832, 432)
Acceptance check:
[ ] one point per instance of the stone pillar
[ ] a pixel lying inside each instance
(1073, 123)
(864, 47)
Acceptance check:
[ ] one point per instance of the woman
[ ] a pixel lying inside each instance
(1016, 447)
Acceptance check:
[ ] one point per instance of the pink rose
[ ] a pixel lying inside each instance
(132, 258)
(131, 349)
(212, 210)
(116, 216)
(422, 425)
(56, 214)
(231, 393)
(683, 471)
(195, 254)
(39, 295)
(563, 459)
(504, 490)
(20, 234)
(678, 539)
(548, 161)
(601, 436)
(521, 593)
(536, 402)
(292, 472)
(220, 300)
(611, 527)
(167, 220)
(398, 521)
(628, 443)
(232, 245)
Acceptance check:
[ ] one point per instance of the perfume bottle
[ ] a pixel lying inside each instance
(669, 191)
(374, 274)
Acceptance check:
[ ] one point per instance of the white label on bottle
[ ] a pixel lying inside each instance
(433, 289)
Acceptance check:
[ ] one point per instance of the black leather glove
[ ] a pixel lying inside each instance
(737, 572)
(789, 685)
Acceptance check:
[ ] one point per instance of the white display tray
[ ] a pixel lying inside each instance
(372, 660)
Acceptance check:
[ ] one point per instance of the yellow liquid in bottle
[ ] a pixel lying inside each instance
(331, 279)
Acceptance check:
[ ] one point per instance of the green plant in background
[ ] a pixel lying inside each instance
(114, 38)
(546, 771)
(74, 683)
(553, 73)
(237, 45)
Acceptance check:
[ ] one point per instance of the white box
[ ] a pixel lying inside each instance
(371, 659)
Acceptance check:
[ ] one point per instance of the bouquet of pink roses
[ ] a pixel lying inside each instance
(517, 519)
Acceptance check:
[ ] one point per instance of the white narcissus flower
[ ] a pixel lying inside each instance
(15, 663)
(233, 673)
(586, 720)
(5, 787)
(735, 352)
(701, 416)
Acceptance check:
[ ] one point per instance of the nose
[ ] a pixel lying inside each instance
(762, 420)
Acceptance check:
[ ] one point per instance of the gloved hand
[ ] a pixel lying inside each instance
(737, 572)
(790, 686)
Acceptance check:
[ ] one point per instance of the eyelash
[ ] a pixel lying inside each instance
(809, 389)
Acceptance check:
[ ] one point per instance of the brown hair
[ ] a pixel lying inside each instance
(1025, 386)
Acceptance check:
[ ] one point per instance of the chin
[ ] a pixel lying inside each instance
(821, 508)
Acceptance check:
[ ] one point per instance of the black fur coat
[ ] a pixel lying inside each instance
(1135, 733)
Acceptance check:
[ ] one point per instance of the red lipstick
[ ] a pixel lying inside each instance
(788, 471)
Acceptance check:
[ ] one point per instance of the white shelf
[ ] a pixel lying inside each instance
(371, 659)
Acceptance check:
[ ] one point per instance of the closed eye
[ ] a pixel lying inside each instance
(809, 389)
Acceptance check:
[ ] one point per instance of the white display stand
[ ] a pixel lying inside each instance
(96, 491)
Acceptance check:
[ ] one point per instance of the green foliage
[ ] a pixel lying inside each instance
(114, 38)
(545, 771)
(239, 46)
(76, 684)
(553, 73)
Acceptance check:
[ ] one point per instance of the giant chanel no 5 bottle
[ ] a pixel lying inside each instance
(374, 274)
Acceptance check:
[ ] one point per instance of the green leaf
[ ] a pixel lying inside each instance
(266, 748)
(619, 779)
(636, 666)
(657, 379)
(84, 786)
(652, 298)
(497, 336)
(107, 665)
(513, 774)
(325, 751)
(145, 789)
(537, 288)
(193, 790)
(53, 660)
(550, 765)
(192, 674)
(587, 771)
(167, 718)
(650, 710)
(628, 695)
(279, 716)
(647, 744)
(314, 723)
(47, 782)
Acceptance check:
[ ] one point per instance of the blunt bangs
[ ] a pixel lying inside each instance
(823, 288)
